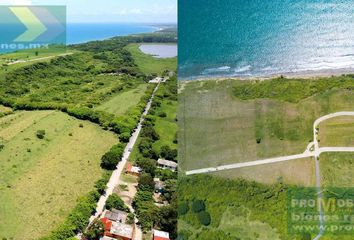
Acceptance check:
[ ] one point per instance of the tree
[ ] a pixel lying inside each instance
(111, 158)
(40, 134)
(204, 218)
(146, 182)
(148, 165)
(95, 231)
(168, 153)
(114, 201)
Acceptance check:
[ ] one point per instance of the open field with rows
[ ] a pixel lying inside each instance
(42, 178)
(337, 132)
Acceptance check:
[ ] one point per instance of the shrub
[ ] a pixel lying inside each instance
(204, 218)
(183, 208)
(198, 206)
(40, 134)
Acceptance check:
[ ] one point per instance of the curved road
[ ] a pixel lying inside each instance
(312, 150)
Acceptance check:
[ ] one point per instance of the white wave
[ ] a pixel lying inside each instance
(243, 69)
(216, 70)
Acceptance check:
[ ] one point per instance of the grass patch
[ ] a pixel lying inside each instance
(149, 64)
(42, 178)
(120, 103)
(337, 132)
(337, 169)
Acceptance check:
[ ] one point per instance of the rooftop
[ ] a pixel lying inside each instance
(167, 163)
(116, 215)
(122, 229)
(160, 235)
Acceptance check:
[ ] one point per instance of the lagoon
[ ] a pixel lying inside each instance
(159, 50)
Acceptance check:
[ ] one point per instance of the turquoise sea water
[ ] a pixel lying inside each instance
(84, 32)
(262, 38)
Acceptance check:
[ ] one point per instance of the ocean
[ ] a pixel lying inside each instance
(84, 32)
(258, 38)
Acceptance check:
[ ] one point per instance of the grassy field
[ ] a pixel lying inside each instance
(218, 127)
(337, 169)
(40, 180)
(299, 172)
(150, 65)
(28, 54)
(337, 132)
(120, 103)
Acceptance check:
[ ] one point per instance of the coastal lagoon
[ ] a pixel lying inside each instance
(263, 38)
(160, 50)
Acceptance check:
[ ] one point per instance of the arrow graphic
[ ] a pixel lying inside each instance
(34, 26)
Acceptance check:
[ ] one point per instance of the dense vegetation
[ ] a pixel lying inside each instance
(201, 210)
(149, 215)
(291, 90)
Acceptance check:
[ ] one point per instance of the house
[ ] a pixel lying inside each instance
(117, 230)
(160, 235)
(156, 80)
(133, 170)
(116, 215)
(167, 164)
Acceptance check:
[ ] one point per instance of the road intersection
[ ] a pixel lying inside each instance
(313, 150)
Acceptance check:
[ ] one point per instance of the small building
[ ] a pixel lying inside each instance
(160, 235)
(167, 164)
(133, 170)
(116, 215)
(156, 80)
(117, 230)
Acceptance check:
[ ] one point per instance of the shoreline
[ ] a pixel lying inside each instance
(309, 74)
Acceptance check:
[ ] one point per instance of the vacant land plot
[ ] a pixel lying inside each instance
(148, 64)
(300, 172)
(120, 103)
(337, 169)
(337, 132)
(40, 179)
(217, 127)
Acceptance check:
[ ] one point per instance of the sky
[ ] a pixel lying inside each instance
(109, 11)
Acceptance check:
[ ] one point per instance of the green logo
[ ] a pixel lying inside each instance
(29, 26)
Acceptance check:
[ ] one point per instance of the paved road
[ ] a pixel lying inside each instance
(251, 163)
(312, 150)
(114, 180)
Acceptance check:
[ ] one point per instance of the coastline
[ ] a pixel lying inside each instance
(310, 74)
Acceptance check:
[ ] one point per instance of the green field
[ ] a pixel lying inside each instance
(149, 64)
(28, 54)
(40, 180)
(228, 121)
(299, 172)
(122, 102)
(337, 132)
